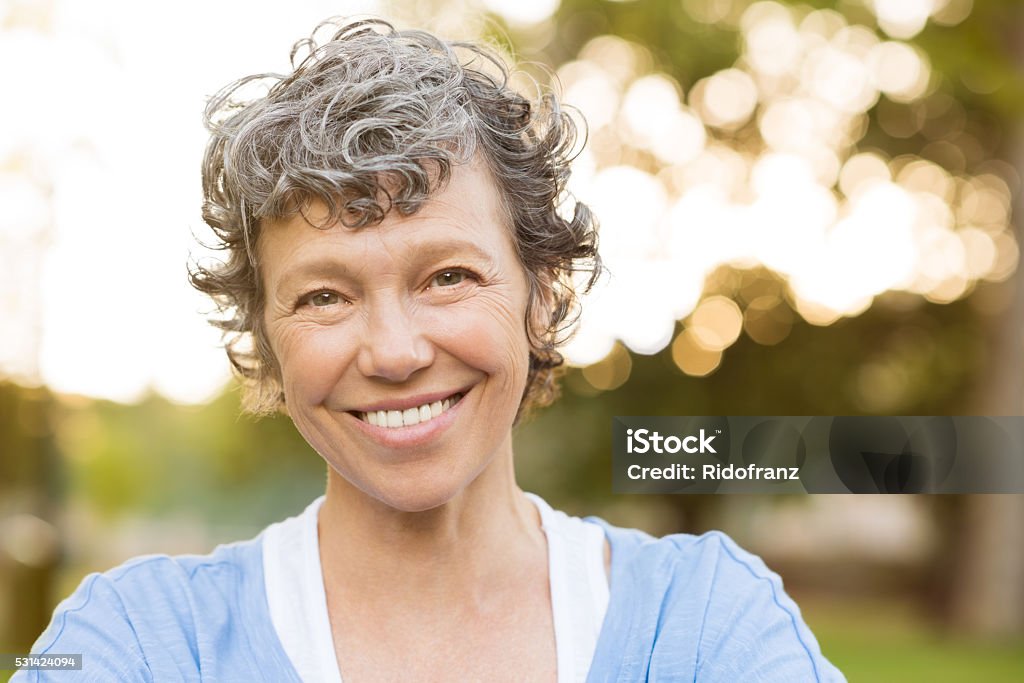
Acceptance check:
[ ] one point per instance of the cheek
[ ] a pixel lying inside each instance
(488, 334)
(311, 359)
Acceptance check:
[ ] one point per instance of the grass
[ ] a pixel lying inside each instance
(886, 642)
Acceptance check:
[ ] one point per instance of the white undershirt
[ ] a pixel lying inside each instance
(298, 603)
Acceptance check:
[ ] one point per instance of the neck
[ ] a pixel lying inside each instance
(458, 550)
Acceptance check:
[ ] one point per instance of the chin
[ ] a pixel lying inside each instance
(416, 504)
(416, 498)
(413, 489)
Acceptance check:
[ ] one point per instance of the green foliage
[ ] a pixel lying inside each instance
(157, 457)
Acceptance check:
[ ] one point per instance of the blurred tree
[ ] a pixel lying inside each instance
(29, 547)
(962, 358)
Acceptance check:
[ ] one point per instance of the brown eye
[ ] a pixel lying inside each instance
(448, 278)
(321, 299)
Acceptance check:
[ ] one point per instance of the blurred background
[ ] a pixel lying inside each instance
(807, 209)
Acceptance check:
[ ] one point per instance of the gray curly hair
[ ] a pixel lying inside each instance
(371, 121)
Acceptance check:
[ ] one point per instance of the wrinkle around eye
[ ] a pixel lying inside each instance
(336, 307)
(447, 281)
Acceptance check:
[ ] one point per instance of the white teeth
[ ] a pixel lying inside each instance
(410, 416)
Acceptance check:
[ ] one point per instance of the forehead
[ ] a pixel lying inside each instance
(467, 214)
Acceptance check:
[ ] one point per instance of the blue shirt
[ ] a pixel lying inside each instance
(682, 608)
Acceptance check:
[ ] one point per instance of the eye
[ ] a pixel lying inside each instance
(449, 278)
(321, 299)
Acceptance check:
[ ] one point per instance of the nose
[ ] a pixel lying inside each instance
(393, 346)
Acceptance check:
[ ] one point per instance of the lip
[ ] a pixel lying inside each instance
(414, 435)
(410, 401)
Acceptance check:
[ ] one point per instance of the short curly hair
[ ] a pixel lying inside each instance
(371, 121)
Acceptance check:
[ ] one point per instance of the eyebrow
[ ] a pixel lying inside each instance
(451, 247)
(324, 266)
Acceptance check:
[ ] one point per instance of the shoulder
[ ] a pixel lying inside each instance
(712, 566)
(173, 587)
(688, 557)
(157, 614)
(704, 608)
(223, 563)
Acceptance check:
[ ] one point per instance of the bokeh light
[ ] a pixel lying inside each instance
(693, 358)
(902, 18)
(767, 172)
(611, 372)
(523, 12)
(716, 323)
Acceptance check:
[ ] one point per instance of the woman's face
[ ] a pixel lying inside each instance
(402, 347)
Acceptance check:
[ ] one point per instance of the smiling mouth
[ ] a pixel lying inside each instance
(394, 419)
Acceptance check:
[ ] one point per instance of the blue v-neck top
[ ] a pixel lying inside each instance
(682, 608)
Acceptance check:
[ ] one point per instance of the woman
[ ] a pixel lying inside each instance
(398, 276)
